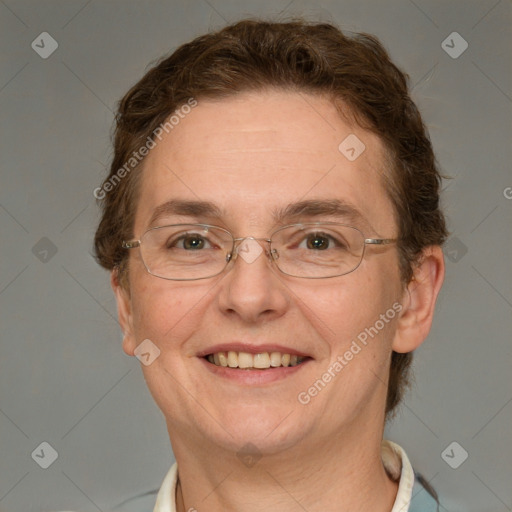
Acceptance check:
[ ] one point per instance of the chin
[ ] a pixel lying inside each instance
(267, 430)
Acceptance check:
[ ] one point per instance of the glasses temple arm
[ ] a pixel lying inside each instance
(131, 244)
(380, 241)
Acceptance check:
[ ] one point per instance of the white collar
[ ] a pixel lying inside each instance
(166, 499)
(404, 494)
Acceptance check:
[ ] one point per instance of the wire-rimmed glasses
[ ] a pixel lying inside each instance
(311, 250)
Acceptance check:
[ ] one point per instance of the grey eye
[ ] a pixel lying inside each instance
(188, 242)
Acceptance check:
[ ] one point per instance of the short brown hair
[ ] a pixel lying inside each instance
(354, 71)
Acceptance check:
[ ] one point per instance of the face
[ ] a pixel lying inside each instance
(252, 155)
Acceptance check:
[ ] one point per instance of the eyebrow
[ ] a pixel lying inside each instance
(185, 208)
(334, 208)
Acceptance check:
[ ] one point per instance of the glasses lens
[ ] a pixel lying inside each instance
(318, 250)
(186, 251)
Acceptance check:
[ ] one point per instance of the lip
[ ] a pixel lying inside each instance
(253, 377)
(251, 349)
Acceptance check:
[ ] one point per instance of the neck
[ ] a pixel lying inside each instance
(345, 472)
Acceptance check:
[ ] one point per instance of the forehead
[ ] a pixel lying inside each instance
(257, 153)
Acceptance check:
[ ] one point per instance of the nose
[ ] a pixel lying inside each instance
(252, 290)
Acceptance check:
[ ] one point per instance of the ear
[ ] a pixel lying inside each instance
(419, 301)
(124, 312)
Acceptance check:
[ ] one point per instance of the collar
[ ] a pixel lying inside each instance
(166, 499)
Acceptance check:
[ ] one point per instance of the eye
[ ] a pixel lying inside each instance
(322, 242)
(189, 242)
(318, 241)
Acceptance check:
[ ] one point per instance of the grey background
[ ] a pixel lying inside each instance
(63, 376)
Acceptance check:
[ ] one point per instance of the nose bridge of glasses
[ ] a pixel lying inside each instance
(250, 247)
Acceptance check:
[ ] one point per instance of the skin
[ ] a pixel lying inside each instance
(249, 154)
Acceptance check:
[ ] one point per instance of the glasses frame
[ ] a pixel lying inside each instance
(272, 254)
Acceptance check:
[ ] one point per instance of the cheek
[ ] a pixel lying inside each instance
(159, 307)
(359, 320)
(355, 307)
(170, 313)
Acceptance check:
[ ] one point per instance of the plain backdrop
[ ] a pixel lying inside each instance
(64, 379)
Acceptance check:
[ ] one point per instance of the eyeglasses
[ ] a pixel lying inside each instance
(316, 250)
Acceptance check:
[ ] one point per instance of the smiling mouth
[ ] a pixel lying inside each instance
(261, 361)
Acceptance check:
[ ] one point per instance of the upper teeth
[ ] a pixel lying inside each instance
(260, 361)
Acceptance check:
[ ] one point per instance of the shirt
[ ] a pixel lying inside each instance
(411, 495)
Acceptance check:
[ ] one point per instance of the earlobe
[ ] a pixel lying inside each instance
(419, 300)
(124, 312)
